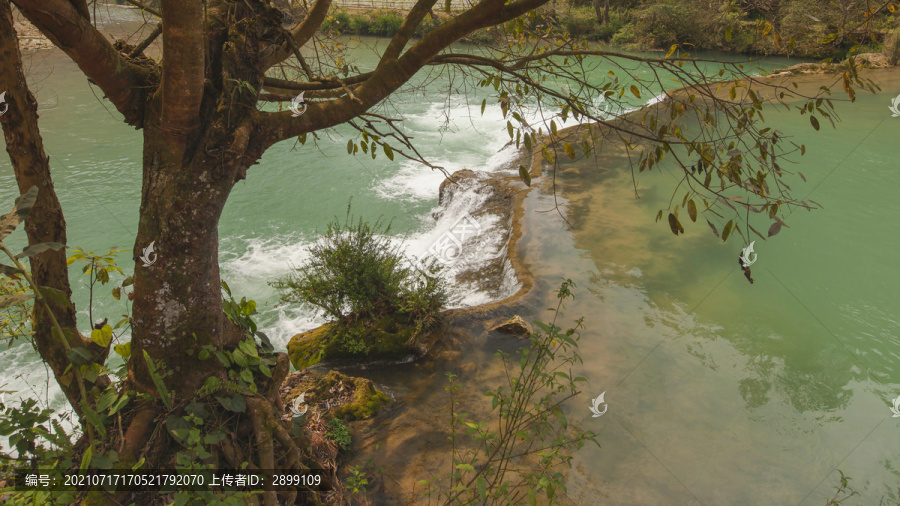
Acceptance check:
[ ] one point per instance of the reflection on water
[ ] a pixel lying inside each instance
(725, 392)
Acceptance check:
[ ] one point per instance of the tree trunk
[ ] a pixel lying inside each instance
(601, 11)
(45, 222)
(178, 299)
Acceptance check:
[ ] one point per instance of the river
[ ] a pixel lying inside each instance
(719, 392)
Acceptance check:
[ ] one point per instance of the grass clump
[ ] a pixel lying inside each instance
(355, 275)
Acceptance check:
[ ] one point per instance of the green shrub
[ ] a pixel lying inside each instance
(385, 23)
(580, 21)
(355, 273)
(339, 433)
(340, 21)
(359, 24)
(617, 20)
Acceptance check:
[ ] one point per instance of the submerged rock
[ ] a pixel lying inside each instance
(391, 338)
(515, 326)
(345, 397)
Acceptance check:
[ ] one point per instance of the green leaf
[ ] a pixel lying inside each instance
(107, 399)
(246, 375)
(55, 295)
(117, 293)
(102, 336)
(178, 427)
(124, 350)
(350, 147)
(525, 175)
(35, 249)
(483, 105)
(388, 152)
(239, 358)
(119, 404)
(235, 403)
(692, 210)
(13, 299)
(248, 346)
(727, 231)
(86, 458)
(158, 382)
(121, 322)
(481, 486)
(79, 355)
(105, 461)
(465, 467)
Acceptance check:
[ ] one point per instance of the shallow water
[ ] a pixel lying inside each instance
(723, 392)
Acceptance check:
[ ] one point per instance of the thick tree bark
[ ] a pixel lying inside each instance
(46, 222)
(178, 299)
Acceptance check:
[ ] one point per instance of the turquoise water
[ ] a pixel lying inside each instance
(723, 392)
(720, 392)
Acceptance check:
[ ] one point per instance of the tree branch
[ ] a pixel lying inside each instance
(183, 69)
(138, 49)
(143, 7)
(300, 34)
(390, 73)
(69, 30)
(415, 16)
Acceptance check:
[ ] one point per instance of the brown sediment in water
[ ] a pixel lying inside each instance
(409, 439)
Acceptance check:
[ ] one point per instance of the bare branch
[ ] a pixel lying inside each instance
(147, 8)
(300, 34)
(69, 30)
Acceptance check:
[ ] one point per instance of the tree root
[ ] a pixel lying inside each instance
(138, 433)
(264, 443)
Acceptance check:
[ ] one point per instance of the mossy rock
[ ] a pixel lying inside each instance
(391, 338)
(345, 397)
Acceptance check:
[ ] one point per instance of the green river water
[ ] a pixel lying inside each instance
(719, 392)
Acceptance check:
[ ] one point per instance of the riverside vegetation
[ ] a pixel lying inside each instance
(379, 302)
(799, 28)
